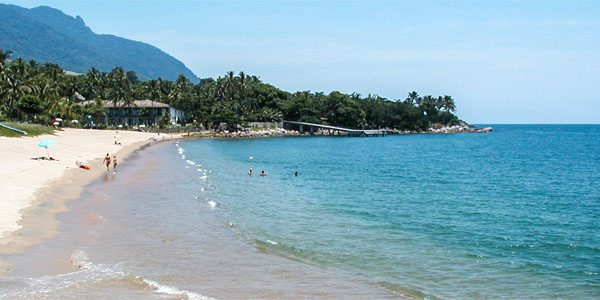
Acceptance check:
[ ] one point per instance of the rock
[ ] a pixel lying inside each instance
(437, 126)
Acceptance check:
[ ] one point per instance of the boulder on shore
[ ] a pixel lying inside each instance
(460, 127)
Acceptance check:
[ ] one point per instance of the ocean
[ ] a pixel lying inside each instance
(512, 214)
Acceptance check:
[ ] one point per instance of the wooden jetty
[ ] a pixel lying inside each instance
(332, 130)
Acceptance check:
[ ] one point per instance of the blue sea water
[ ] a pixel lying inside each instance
(510, 214)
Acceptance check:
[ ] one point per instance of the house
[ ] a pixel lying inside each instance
(140, 112)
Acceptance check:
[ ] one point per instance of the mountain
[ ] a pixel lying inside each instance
(46, 34)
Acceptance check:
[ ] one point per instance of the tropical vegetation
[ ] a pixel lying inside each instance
(39, 93)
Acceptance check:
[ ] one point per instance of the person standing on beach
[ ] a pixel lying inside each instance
(114, 164)
(107, 162)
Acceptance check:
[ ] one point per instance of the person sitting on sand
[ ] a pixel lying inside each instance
(107, 162)
(114, 164)
(262, 173)
(83, 165)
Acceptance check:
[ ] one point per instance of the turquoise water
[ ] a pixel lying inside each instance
(510, 214)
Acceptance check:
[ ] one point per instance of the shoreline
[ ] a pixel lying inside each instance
(93, 239)
(39, 220)
(30, 213)
(12, 235)
(279, 132)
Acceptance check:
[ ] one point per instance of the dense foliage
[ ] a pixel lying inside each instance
(48, 35)
(33, 92)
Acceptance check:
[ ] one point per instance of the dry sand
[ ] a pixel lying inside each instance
(23, 178)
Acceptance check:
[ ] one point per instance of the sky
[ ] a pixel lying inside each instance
(502, 61)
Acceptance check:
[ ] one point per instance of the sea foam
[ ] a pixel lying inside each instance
(89, 273)
(172, 291)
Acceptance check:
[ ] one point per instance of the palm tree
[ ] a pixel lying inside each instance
(449, 103)
(413, 98)
(97, 110)
(48, 82)
(230, 85)
(94, 84)
(165, 89)
(269, 115)
(121, 90)
(152, 88)
(4, 55)
(72, 110)
(243, 83)
(439, 103)
(17, 82)
(3, 62)
(65, 108)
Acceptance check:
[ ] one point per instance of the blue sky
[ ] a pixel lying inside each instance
(502, 61)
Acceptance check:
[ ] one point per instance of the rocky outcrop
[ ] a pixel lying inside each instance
(247, 133)
(461, 127)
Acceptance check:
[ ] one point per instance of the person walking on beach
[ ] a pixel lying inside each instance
(114, 164)
(107, 162)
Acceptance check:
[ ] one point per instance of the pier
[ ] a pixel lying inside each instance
(332, 130)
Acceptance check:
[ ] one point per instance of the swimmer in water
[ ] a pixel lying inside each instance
(262, 173)
(250, 172)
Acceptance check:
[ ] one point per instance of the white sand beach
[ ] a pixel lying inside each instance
(22, 176)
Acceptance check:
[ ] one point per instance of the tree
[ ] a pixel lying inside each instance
(232, 99)
(343, 111)
(448, 103)
(30, 105)
(132, 77)
(96, 110)
(413, 98)
(3, 61)
(269, 115)
(17, 81)
(120, 86)
(230, 85)
(153, 91)
(164, 120)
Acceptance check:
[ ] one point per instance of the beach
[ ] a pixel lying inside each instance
(25, 176)
(464, 216)
(147, 233)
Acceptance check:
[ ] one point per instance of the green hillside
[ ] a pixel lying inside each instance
(46, 34)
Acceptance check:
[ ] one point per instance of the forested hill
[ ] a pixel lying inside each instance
(46, 34)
